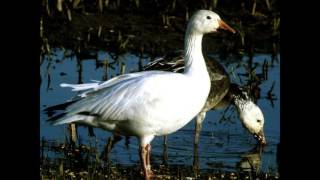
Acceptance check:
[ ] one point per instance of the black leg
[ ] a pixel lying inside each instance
(111, 142)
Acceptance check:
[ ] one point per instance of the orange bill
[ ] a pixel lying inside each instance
(225, 26)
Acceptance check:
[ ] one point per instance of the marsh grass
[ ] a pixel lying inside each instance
(84, 162)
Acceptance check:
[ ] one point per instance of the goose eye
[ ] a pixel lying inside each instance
(259, 121)
(208, 17)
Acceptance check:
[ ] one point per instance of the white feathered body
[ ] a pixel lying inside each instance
(138, 104)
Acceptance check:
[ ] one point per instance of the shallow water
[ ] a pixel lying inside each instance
(224, 143)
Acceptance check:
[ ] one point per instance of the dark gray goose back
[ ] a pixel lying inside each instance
(220, 81)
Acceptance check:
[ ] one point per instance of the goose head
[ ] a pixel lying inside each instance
(205, 21)
(252, 118)
(250, 114)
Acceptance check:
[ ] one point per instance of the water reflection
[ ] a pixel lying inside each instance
(251, 161)
(222, 139)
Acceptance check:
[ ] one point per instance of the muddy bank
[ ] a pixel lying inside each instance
(160, 172)
(81, 161)
(154, 28)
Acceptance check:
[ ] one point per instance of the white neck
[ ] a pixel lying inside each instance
(194, 61)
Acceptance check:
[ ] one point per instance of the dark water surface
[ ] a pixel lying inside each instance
(224, 143)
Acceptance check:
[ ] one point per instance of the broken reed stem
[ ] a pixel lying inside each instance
(47, 7)
(215, 2)
(123, 68)
(61, 171)
(100, 6)
(265, 69)
(75, 4)
(59, 5)
(254, 8)
(268, 5)
(105, 67)
(69, 14)
(99, 30)
(73, 132)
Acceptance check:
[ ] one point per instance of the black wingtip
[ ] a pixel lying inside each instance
(62, 106)
(53, 119)
(50, 111)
